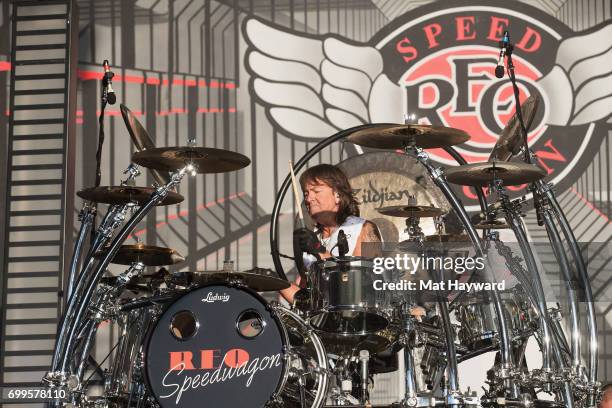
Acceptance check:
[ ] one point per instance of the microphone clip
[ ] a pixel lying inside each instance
(108, 94)
(505, 50)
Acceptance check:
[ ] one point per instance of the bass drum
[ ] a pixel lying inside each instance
(226, 346)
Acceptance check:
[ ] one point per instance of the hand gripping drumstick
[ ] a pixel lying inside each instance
(297, 195)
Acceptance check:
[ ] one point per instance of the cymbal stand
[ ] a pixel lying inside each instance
(547, 377)
(77, 282)
(79, 305)
(549, 211)
(437, 176)
(548, 207)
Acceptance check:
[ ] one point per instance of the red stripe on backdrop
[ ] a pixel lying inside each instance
(86, 75)
(5, 66)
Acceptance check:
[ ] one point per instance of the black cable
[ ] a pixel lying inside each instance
(519, 113)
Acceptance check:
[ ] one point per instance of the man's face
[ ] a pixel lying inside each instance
(320, 199)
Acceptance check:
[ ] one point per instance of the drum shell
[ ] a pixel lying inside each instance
(347, 284)
(479, 320)
(216, 337)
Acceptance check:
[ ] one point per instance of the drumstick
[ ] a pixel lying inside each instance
(296, 194)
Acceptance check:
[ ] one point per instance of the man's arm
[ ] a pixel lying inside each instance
(369, 243)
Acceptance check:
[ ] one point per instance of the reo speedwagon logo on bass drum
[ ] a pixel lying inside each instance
(437, 62)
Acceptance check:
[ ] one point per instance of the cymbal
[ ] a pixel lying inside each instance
(491, 224)
(258, 279)
(147, 254)
(400, 136)
(481, 174)
(204, 159)
(511, 139)
(117, 195)
(418, 211)
(142, 141)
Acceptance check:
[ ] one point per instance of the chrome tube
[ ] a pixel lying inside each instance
(451, 353)
(438, 178)
(68, 322)
(584, 281)
(559, 251)
(86, 217)
(550, 344)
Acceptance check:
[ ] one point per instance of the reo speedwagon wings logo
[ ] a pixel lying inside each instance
(439, 65)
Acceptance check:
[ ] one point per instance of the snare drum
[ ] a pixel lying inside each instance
(344, 299)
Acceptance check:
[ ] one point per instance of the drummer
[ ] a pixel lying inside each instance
(332, 205)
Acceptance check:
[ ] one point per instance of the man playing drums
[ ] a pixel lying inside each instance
(332, 205)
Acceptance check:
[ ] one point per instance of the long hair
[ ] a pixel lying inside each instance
(336, 179)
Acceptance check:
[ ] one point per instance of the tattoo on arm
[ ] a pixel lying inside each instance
(370, 232)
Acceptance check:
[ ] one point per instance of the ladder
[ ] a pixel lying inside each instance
(40, 185)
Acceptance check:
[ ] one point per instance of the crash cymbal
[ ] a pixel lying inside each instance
(400, 136)
(511, 139)
(481, 174)
(418, 211)
(491, 224)
(147, 254)
(258, 279)
(117, 195)
(204, 159)
(142, 141)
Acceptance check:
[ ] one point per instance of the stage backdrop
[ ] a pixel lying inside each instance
(270, 79)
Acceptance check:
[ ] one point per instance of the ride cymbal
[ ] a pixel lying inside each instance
(147, 254)
(260, 281)
(204, 159)
(400, 136)
(117, 195)
(405, 211)
(482, 174)
(142, 141)
(510, 141)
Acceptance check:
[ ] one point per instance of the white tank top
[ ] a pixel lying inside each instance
(352, 229)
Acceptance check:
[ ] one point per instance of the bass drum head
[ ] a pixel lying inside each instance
(217, 345)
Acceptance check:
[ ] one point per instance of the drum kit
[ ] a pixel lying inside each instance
(209, 338)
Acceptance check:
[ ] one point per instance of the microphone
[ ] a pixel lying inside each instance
(503, 45)
(343, 246)
(111, 98)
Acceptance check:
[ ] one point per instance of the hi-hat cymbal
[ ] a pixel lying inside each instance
(482, 174)
(491, 224)
(142, 141)
(147, 254)
(260, 280)
(400, 136)
(405, 211)
(204, 159)
(511, 139)
(117, 195)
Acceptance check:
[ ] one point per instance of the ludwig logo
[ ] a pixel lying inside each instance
(216, 297)
(438, 63)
